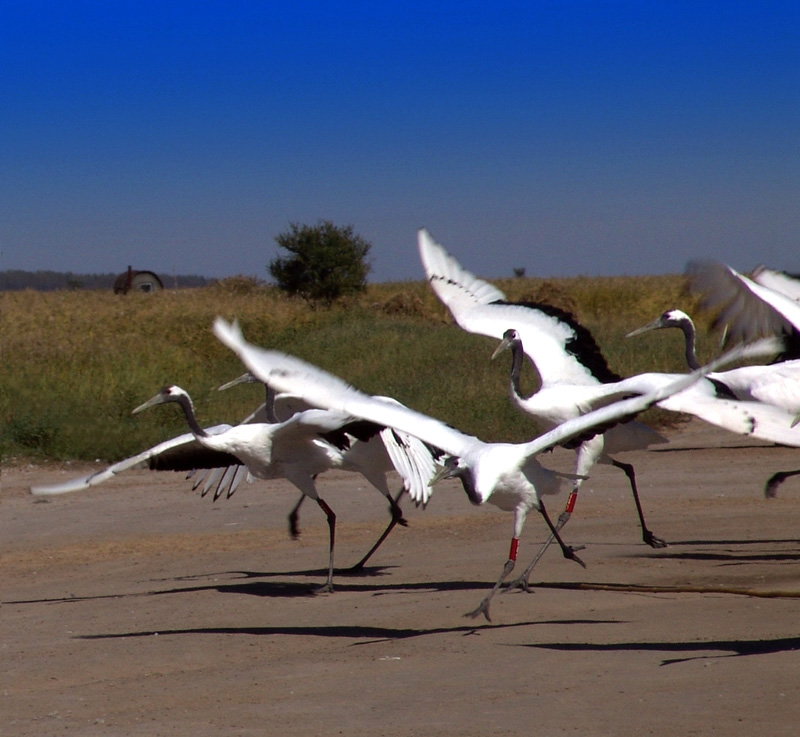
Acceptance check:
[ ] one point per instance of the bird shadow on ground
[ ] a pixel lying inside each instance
(731, 551)
(760, 541)
(692, 650)
(250, 584)
(730, 558)
(369, 634)
(722, 449)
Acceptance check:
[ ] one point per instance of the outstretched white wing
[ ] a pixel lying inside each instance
(321, 389)
(182, 453)
(562, 350)
(413, 460)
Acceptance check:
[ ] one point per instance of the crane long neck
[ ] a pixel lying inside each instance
(516, 370)
(691, 353)
(269, 405)
(188, 410)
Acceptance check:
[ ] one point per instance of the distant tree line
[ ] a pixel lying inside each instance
(48, 281)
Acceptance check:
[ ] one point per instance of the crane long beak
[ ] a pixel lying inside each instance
(443, 473)
(157, 399)
(504, 346)
(655, 325)
(246, 378)
(795, 421)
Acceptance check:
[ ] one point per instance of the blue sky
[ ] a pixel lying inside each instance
(566, 137)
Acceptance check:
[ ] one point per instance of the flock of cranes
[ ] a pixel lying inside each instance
(312, 421)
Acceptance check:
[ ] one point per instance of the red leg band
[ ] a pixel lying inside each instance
(512, 554)
(573, 497)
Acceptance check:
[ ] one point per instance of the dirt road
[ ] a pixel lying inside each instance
(137, 608)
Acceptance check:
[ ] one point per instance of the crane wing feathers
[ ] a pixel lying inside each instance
(601, 419)
(779, 384)
(413, 461)
(458, 288)
(751, 418)
(287, 405)
(560, 347)
(308, 425)
(748, 309)
(320, 388)
(181, 453)
(779, 281)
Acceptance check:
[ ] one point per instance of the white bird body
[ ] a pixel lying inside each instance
(378, 455)
(504, 474)
(369, 450)
(282, 441)
(289, 450)
(292, 449)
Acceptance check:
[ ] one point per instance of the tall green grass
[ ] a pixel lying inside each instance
(74, 364)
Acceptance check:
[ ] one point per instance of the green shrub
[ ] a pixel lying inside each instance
(327, 262)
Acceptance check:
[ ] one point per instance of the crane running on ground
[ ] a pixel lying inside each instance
(368, 449)
(360, 447)
(504, 474)
(575, 376)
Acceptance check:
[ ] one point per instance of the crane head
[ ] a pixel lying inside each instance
(510, 339)
(670, 319)
(170, 393)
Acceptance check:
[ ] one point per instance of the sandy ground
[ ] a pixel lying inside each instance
(138, 608)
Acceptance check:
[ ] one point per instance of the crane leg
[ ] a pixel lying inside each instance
(294, 516)
(328, 587)
(522, 581)
(483, 607)
(648, 537)
(774, 481)
(567, 551)
(397, 519)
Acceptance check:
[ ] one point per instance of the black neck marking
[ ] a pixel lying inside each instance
(691, 351)
(583, 347)
(188, 410)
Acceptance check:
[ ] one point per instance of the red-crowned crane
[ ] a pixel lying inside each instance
(575, 377)
(504, 474)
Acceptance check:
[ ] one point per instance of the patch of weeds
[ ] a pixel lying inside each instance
(30, 431)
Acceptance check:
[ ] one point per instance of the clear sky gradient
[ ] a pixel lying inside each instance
(564, 136)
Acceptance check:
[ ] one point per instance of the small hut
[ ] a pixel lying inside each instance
(140, 281)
